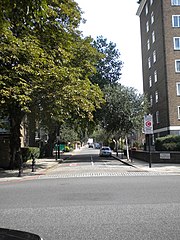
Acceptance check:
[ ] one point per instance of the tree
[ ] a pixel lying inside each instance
(109, 67)
(40, 71)
(123, 111)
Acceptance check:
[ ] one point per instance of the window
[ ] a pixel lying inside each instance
(178, 88)
(151, 2)
(156, 96)
(151, 100)
(153, 36)
(152, 18)
(148, 44)
(154, 56)
(176, 43)
(157, 117)
(175, 2)
(177, 65)
(155, 76)
(147, 10)
(150, 81)
(176, 21)
(178, 112)
(149, 62)
(147, 26)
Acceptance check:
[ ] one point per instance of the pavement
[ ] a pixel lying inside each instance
(43, 165)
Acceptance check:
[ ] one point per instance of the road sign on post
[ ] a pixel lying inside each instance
(148, 124)
(148, 130)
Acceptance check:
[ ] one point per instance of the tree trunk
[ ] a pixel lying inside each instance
(127, 148)
(116, 147)
(48, 150)
(15, 118)
(32, 130)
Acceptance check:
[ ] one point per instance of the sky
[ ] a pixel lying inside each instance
(117, 21)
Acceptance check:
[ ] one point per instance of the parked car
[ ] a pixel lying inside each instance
(91, 145)
(97, 145)
(105, 151)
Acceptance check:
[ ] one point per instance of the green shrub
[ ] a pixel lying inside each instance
(168, 143)
(28, 151)
(66, 149)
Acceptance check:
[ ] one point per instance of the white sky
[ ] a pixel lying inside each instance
(116, 20)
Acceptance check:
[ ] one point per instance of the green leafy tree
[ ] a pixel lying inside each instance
(40, 70)
(109, 67)
(124, 110)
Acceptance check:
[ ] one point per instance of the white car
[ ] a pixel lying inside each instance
(105, 151)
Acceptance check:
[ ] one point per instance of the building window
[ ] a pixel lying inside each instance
(154, 56)
(151, 100)
(179, 112)
(150, 81)
(175, 2)
(178, 88)
(176, 43)
(152, 18)
(151, 2)
(153, 37)
(176, 21)
(147, 10)
(147, 26)
(177, 65)
(155, 76)
(149, 62)
(157, 117)
(156, 96)
(148, 44)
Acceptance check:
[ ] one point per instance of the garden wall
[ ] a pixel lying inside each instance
(156, 156)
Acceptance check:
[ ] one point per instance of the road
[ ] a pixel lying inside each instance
(70, 206)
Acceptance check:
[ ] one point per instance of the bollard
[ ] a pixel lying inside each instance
(20, 171)
(33, 163)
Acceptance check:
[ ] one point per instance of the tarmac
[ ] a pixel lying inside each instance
(43, 165)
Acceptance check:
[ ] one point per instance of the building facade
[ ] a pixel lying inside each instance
(160, 44)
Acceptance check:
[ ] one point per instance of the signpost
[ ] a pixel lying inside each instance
(148, 130)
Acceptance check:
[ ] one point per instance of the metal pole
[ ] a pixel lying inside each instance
(33, 163)
(149, 140)
(58, 150)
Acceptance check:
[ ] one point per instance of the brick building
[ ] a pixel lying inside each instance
(160, 43)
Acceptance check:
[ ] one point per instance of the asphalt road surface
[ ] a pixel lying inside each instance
(93, 206)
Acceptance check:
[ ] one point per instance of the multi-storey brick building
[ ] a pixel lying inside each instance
(160, 41)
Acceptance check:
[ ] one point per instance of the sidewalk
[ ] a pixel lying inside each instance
(155, 167)
(41, 167)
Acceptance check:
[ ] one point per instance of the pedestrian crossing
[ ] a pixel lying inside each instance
(106, 174)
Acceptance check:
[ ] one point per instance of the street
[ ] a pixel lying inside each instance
(88, 197)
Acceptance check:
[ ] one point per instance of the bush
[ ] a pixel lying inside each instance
(168, 143)
(66, 149)
(28, 151)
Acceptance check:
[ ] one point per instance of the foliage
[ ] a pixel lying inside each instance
(109, 67)
(28, 151)
(123, 111)
(168, 143)
(45, 64)
(68, 134)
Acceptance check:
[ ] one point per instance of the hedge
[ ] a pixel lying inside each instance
(168, 143)
(28, 151)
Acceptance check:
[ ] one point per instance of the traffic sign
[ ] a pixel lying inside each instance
(148, 124)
